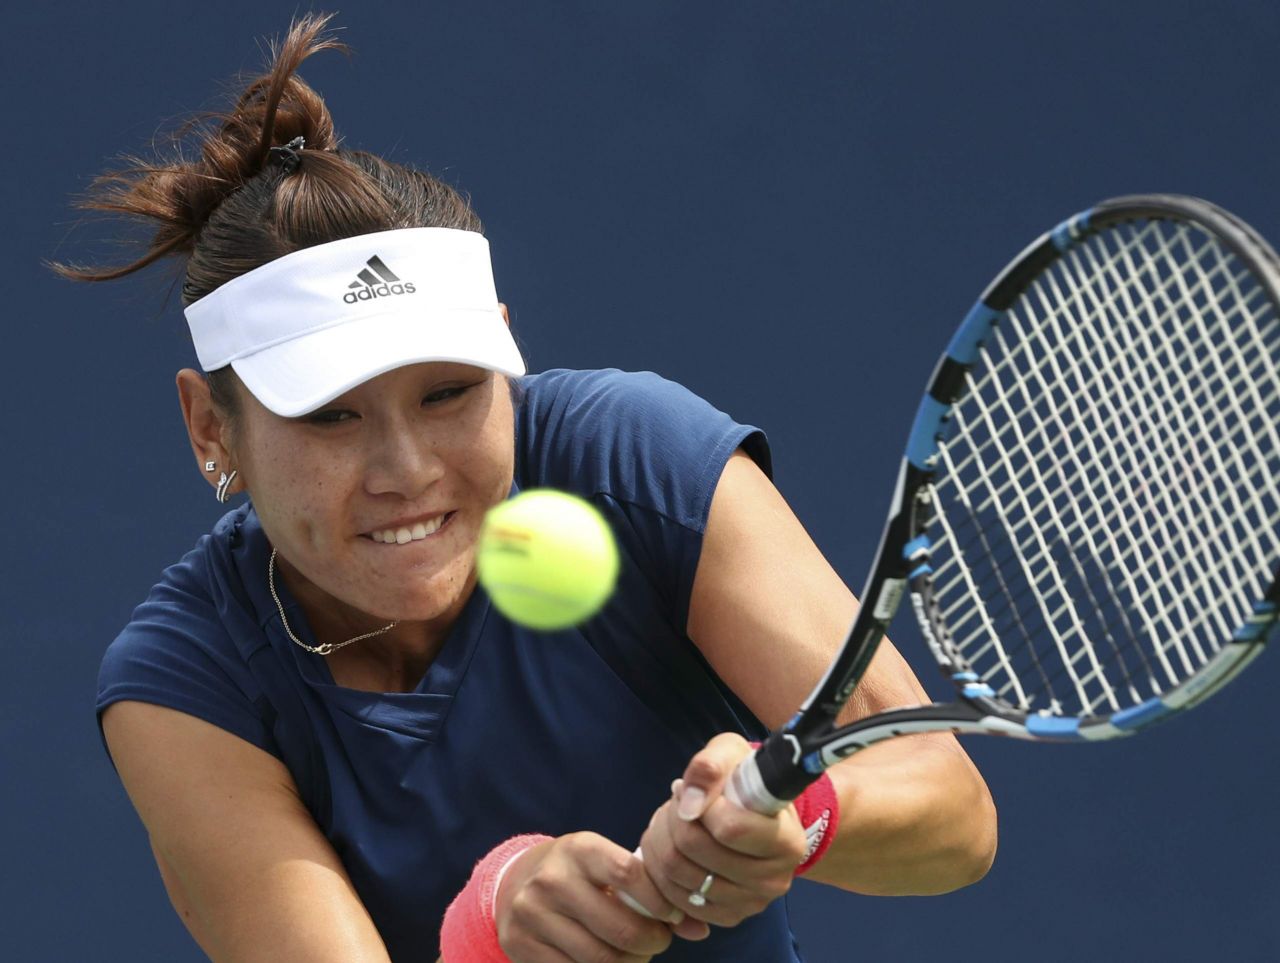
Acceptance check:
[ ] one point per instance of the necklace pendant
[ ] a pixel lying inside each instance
(325, 648)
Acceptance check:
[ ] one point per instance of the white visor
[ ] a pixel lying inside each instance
(309, 326)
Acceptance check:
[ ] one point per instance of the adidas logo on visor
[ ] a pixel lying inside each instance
(376, 280)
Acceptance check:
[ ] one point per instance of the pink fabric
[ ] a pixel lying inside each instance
(819, 811)
(470, 933)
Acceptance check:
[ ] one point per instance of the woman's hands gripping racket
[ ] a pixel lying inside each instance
(1087, 512)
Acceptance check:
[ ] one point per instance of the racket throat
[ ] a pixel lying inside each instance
(956, 717)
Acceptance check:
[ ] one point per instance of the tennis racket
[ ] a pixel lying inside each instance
(1087, 515)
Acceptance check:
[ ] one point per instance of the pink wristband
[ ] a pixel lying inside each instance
(470, 932)
(819, 810)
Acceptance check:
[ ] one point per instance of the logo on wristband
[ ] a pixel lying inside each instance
(815, 832)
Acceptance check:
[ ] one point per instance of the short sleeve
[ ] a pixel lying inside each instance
(648, 451)
(177, 652)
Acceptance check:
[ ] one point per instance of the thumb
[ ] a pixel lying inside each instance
(707, 772)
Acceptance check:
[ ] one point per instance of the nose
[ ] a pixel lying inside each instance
(402, 460)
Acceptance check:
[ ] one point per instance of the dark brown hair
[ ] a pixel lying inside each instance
(232, 209)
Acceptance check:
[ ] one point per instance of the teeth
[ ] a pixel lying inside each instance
(399, 536)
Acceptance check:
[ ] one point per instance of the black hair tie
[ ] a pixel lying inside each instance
(288, 156)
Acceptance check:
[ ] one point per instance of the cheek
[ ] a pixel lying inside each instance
(493, 463)
(291, 487)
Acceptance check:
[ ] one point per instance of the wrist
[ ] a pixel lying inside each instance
(819, 810)
(470, 933)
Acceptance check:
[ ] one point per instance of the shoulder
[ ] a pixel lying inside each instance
(194, 597)
(187, 646)
(572, 388)
(608, 397)
(632, 436)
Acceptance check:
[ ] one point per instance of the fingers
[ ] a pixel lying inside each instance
(747, 833)
(742, 831)
(680, 855)
(751, 858)
(640, 894)
(705, 775)
(698, 850)
(564, 905)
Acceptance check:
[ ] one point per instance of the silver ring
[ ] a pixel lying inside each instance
(700, 897)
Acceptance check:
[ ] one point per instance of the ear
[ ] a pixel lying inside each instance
(505, 315)
(205, 427)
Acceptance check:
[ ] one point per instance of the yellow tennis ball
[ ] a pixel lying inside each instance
(547, 559)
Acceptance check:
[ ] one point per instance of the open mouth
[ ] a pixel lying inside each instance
(410, 533)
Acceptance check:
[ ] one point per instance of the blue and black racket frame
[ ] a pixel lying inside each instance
(796, 754)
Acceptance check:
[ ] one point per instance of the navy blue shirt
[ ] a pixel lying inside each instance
(509, 731)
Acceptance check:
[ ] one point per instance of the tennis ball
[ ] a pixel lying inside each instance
(547, 559)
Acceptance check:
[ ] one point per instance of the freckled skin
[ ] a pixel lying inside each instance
(405, 445)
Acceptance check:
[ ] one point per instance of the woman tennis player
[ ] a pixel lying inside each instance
(340, 751)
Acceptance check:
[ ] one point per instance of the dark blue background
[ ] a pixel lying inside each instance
(786, 206)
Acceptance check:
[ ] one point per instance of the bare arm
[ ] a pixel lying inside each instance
(769, 613)
(244, 864)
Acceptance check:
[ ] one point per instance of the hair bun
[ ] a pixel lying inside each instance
(177, 195)
(268, 180)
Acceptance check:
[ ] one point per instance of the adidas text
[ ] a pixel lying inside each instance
(372, 291)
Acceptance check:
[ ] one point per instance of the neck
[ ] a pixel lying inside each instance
(393, 660)
(382, 668)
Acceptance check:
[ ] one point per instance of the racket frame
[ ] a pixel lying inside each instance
(809, 743)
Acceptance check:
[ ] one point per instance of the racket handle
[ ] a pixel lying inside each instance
(746, 789)
(627, 898)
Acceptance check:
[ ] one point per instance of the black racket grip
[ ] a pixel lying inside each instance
(771, 777)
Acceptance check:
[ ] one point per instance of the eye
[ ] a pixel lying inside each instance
(330, 416)
(442, 395)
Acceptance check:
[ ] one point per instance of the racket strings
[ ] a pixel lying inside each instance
(1188, 434)
(1234, 466)
(1092, 598)
(1223, 628)
(1212, 570)
(1107, 505)
(1050, 424)
(1150, 537)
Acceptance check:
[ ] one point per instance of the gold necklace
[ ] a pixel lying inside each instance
(328, 647)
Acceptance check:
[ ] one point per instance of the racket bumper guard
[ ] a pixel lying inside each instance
(1057, 728)
(918, 547)
(1070, 230)
(922, 446)
(1141, 715)
(974, 330)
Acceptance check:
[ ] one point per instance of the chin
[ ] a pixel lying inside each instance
(431, 605)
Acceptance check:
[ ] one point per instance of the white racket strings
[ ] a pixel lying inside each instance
(1106, 507)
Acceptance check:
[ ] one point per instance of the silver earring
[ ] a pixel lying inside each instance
(224, 483)
(210, 465)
